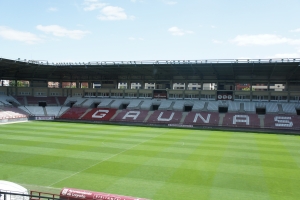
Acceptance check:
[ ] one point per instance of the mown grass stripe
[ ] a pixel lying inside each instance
(175, 163)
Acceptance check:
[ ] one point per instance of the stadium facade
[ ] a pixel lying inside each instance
(261, 93)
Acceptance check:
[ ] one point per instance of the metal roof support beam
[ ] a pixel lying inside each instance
(232, 71)
(52, 72)
(294, 71)
(33, 73)
(216, 73)
(195, 70)
(272, 71)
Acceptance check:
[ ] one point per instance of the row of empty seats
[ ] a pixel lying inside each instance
(208, 119)
(34, 101)
(7, 113)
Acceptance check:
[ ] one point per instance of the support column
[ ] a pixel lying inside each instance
(288, 90)
(128, 85)
(269, 93)
(142, 84)
(251, 91)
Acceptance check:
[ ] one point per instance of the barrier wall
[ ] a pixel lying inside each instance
(75, 194)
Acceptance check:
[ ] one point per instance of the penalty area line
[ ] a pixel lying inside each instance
(104, 160)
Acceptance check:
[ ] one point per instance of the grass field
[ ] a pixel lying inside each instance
(154, 163)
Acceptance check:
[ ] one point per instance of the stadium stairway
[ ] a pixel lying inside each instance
(149, 114)
(88, 110)
(184, 114)
(57, 101)
(25, 101)
(221, 118)
(83, 102)
(105, 103)
(205, 106)
(242, 109)
(25, 109)
(171, 106)
(280, 109)
(114, 116)
(139, 106)
(45, 111)
(63, 110)
(261, 121)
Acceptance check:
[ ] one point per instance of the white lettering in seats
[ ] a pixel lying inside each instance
(132, 114)
(206, 121)
(241, 118)
(103, 113)
(165, 119)
(283, 121)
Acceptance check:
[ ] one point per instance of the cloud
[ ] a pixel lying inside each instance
(178, 32)
(287, 55)
(263, 40)
(11, 34)
(91, 5)
(113, 13)
(295, 30)
(107, 12)
(62, 32)
(52, 9)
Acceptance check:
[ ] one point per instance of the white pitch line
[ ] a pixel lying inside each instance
(103, 160)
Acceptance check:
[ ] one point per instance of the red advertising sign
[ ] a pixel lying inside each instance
(74, 194)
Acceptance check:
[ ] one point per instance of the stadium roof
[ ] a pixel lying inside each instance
(238, 70)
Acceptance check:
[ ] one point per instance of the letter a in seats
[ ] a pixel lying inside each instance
(241, 118)
(132, 114)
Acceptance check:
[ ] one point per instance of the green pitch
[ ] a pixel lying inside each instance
(154, 163)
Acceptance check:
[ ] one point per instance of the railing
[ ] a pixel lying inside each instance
(20, 196)
(157, 62)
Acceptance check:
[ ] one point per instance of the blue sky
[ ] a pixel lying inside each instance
(127, 30)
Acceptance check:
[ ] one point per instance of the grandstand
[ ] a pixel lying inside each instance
(244, 95)
(260, 94)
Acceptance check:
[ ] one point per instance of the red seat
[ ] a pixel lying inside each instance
(202, 118)
(73, 113)
(131, 116)
(100, 114)
(165, 117)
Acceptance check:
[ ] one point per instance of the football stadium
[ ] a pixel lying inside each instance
(149, 100)
(153, 129)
